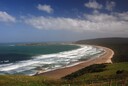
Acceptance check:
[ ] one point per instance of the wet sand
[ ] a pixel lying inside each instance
(59, 73)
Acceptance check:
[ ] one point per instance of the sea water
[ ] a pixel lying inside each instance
(29, 60)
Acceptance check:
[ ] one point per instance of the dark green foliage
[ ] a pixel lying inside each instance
(119, 71)
(107, 41)
(90, 69)
(121, 74)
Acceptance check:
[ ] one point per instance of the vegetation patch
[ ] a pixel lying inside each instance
(90, 69)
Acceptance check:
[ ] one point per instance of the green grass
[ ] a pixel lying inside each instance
(90, 69)
(20, 80)
(108, 73)
(101, 78)
(108, 76)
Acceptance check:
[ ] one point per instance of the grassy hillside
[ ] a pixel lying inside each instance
(101, 72)
(119, 45)
(98, 75)
(115, 73)
(20, 80)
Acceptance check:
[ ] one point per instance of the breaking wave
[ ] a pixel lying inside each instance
(50, 62)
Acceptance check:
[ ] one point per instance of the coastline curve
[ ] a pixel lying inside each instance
(59, 73)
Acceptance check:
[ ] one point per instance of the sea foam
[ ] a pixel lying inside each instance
(50, 62)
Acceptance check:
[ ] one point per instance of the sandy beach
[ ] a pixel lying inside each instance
(59, 73)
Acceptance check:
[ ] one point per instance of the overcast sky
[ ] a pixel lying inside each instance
(62, 20)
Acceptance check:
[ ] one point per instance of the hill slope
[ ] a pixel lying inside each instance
(118, 45)
(102, 41)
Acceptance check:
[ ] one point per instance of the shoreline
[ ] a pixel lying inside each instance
(75, 63)
(59, 73)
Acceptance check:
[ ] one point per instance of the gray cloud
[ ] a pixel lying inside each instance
(46, 8)
(93, 4)
(123, 16)
(5, 17)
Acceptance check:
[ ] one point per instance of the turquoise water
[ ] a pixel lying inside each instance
(10, 53)
(29, 60)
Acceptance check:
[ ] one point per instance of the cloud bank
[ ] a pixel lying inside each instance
(96, 22)
(45, 8)
(5, 17)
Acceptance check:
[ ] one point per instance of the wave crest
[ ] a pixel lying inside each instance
(51, 61)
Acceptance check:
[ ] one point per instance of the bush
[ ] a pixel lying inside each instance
(89, 69)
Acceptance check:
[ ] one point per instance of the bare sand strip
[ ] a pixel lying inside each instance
(59, 73)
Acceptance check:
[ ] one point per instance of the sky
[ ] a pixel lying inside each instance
(62, 20)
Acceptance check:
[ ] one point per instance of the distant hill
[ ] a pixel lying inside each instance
(103, 41)
(118, 45)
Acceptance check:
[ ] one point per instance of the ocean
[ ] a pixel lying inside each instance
(28, 60)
